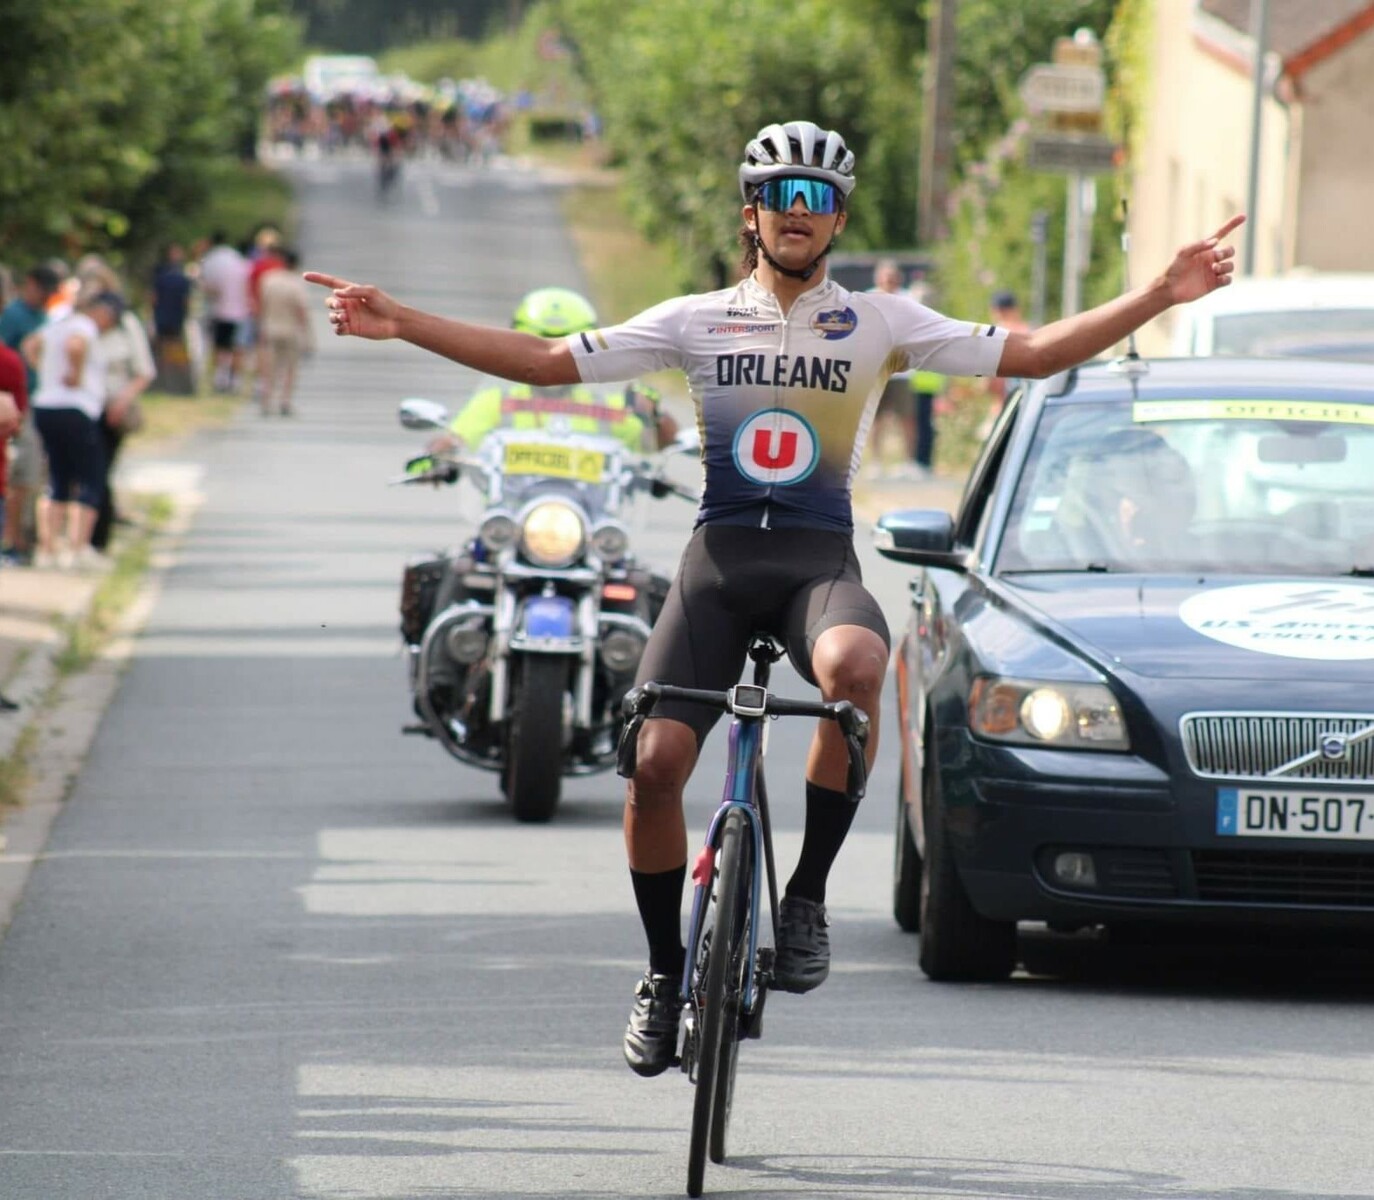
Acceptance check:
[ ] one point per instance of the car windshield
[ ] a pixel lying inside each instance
(1244, 486)
(1307, 333)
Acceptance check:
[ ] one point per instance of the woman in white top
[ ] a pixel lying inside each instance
(127, 359)
(67, 407)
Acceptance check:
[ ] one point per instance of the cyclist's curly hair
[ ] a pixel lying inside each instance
(749, 246)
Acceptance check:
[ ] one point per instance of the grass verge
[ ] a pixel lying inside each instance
(85, 636)
(170, 418)
(16, 767)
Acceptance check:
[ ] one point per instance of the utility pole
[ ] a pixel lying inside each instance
(937, 120)
(1259, 29)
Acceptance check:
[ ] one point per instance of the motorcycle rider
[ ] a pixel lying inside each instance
(786, 368)
(551, 312)
(628, 415)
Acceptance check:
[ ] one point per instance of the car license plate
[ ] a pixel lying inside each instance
(559, 462)
(1277, 812)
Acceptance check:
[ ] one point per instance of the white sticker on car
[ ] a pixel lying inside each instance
(1296, 620)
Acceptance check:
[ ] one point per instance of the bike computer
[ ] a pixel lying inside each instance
(748, 700)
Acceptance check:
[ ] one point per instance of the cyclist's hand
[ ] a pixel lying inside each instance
(358, 309)
(1202, 267)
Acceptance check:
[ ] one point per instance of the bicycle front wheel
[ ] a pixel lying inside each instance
(718, 998)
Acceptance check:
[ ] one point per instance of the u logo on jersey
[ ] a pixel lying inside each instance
(776, 446)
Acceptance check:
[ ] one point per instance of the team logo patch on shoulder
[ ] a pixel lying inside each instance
(834, 323)
(776, 446)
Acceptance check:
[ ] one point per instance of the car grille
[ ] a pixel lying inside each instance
(1299, 878)
(1255, 745)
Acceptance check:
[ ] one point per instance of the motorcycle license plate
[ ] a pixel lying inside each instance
(560, 462)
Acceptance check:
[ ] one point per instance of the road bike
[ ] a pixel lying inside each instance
(727, 971)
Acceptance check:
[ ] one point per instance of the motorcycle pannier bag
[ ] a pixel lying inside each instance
(419, 590)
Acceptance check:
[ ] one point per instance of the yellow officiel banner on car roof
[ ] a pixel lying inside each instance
(1146, 411)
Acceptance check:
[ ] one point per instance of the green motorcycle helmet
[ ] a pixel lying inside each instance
(554, 312)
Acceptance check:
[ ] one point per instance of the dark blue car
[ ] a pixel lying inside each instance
(1137, 681)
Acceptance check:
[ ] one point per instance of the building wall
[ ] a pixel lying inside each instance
(1332, 229)
(1192, 171)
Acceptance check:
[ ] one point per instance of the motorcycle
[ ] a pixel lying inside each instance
(521, 645)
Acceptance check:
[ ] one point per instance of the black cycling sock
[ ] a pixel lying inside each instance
(659, 896)
(828, 816)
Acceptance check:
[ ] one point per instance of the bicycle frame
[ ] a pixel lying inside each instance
(744, 775)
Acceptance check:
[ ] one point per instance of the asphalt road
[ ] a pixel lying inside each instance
(278, 950)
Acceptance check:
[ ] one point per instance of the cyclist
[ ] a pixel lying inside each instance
(786, 368)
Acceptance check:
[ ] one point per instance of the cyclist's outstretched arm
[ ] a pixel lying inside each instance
(1197, 269)
(362, 310)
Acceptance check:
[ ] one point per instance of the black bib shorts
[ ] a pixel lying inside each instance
(738, 580)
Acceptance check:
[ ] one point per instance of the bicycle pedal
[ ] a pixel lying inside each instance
(419, 729)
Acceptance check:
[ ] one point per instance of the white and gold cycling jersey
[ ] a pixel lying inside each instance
(784, 402)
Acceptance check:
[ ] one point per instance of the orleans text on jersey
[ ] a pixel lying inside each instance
(784, 402)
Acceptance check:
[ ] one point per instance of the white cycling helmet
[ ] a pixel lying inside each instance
(799, 148)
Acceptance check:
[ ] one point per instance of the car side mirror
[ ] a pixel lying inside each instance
(423, 414)
(922, 536)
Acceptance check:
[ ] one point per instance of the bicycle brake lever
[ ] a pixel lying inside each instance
(627, 753)
(857, 782)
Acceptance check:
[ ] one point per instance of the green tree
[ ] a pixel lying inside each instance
(116, 112)
(683, 84)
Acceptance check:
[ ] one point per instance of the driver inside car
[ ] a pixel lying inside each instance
(1128, 500)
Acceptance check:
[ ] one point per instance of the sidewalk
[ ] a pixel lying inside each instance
(32, 602)
(36, 604)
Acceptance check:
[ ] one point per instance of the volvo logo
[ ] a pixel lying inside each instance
(1334, 746)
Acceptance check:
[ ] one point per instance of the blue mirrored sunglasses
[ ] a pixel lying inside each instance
(778, 195)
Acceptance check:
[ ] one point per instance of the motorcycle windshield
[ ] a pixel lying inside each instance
(529, 463)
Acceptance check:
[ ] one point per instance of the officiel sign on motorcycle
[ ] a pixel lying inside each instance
(558, 462)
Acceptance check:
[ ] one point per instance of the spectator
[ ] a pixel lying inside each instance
(285, 333)
(265, 257)
(14, 402)
(925, 387)
(22, 317)
(171, 306)
(127, 361)
(67, 406)
(224, 279)
(895, 418)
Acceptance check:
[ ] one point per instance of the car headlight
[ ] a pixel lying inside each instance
(1068, 716)
(553, 534)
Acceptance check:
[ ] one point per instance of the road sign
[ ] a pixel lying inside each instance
(1083, 154)
(1056, 88)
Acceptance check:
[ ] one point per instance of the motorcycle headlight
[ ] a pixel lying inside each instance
(553, 535)
(466, 642)
(497, 531)
(621, 651)
(1068, 716)
(610, 540)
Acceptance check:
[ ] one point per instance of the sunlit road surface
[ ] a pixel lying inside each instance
(278, 950)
